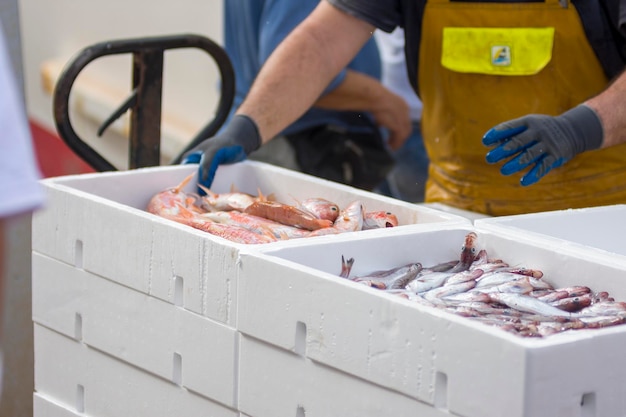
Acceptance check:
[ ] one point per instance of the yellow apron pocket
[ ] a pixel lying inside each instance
(497, 51)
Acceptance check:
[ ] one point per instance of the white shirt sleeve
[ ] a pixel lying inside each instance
(20, 190)
(394, 72)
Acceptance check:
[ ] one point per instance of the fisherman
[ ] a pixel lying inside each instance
(340, 138)
(537, 71)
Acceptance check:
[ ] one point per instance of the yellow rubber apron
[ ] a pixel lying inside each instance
(485, 63)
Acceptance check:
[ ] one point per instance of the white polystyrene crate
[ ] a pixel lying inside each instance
(159, 337)
(48, 407)
(98, 222)
(292, 298)
(279, 383)
(91, 383)
(598, 230)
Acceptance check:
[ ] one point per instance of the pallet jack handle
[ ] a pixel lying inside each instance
(145, 99)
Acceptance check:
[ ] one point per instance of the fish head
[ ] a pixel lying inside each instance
(321, 208)
(469, 250)
(380, 219)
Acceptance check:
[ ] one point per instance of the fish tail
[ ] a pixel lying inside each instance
(346, 266)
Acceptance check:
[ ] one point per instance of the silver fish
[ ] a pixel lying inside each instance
(436, 294)
(467, 297)
(459, 277)
(428, 281)
(528, 304)
(396, 278)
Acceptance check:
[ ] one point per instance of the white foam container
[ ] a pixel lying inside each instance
(97, 222)
(275, 382)
(72, 378)
(598, 230)
(293, 305)
(163, 339)
(48, 407)
(117, 289)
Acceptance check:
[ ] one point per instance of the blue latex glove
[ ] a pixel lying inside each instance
(543, 142)
(233, 144)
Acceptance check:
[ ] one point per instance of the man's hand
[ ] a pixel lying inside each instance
(545, 142)
(392, 112)
(233, 144)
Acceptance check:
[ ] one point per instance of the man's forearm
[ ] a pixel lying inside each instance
(360, 92)
(357, 92)
(298, 71)
(610, 106)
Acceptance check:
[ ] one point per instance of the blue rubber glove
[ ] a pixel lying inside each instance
(545, 142)
(233, 144)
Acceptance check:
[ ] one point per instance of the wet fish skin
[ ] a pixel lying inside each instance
(596, 322)
(428, 281)
(436, 295)
(496, 278)
(467, 297)
(576, 291)
(286, 214)
(320, 208)
(395, 279)
(232, 233)
(552, 296)
(168, 203)
(256, 224)
(526, 303)
(518, 286)
(573, 304)
(534, 273)
(491, 267)
(468, 275)
(604, 308)
(350, 219)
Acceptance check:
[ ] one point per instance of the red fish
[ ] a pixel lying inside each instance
(379, 219)
(233, 200)
(350, 219)
(233, 233)
(320, 208)
(286, 214)
(258, 224)
(168, 202)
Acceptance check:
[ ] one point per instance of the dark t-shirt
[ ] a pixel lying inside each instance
(604, 22)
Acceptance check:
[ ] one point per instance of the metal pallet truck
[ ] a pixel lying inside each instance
(144, 101)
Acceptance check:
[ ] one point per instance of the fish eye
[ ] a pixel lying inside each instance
(473, 250)
(463, 247)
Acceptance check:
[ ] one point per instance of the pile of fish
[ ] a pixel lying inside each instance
(517, 300)
(244, 218)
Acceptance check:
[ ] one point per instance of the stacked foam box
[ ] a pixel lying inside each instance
(137, 315)
(598, 230)
(314, 344)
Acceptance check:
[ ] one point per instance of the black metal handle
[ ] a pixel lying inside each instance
(145, 100)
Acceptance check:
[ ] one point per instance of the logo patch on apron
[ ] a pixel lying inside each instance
(501, 55)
